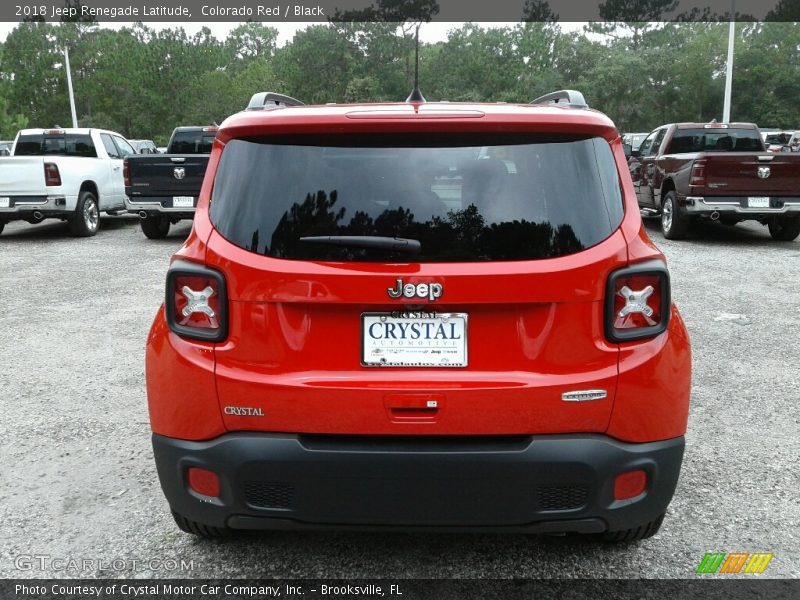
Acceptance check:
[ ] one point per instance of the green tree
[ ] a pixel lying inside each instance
(252, 40)
(631, 19)
(317, 65)
(474, 64)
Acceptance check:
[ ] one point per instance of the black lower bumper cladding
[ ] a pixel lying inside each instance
(536, 484)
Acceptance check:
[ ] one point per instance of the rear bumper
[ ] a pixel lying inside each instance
(24, 207)
(732, 205)
(158, 205)
(558, 483)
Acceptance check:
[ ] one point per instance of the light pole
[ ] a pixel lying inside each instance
(69, 86)
(726, 109)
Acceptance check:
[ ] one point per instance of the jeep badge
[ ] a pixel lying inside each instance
(431, 291)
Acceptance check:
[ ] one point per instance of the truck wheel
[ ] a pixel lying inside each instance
(86, 220)
(155, 228)
(198, 529)
(2, 226)
(784, 230)
(635, 533)
(674, 225)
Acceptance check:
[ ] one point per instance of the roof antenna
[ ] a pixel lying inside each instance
(416, 94)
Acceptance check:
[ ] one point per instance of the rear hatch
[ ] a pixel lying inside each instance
(166, 175)
(334, 329)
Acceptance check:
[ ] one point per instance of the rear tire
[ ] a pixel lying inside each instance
(2, 226)
(674, 225)
(784, 230)
(633, 534)
(155, 228)
(86, 220)
(204, 531)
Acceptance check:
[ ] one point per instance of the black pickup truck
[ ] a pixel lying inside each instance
(163, 188)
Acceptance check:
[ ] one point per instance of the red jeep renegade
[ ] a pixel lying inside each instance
(416, 315)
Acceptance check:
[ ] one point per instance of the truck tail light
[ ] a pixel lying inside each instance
(638, 302)
(51, 174)
(698, 175)
(126, 173)
(196, 302)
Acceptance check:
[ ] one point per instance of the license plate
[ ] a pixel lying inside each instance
(5, 202)
(758, 202)
(414, 339)
(183, 201)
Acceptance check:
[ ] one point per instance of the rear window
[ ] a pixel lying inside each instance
(71, 144)
(715, 140)
(192, 142)
(463, 197)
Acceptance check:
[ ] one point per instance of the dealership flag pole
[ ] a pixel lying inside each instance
(69, 85)
(726, 110)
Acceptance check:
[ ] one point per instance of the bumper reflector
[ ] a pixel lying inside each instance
(204, 482)
(630, 484)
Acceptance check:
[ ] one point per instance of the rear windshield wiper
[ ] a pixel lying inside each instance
(367, 241)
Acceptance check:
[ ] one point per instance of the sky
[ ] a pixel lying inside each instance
(428, 33)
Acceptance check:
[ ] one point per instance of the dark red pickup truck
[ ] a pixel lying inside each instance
(716, 171)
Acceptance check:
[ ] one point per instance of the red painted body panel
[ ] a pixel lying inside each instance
(181, 392)
(654, 383)
(528, 344)
(535, 328)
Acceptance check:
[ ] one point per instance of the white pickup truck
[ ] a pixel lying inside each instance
(67, 174)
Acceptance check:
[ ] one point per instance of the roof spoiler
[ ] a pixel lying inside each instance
(571, 98)
(261, 100)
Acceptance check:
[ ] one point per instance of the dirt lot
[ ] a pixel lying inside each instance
(79, 482)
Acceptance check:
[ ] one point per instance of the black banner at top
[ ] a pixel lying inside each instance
(397, 10)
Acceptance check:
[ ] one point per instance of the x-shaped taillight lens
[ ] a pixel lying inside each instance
(638, 302)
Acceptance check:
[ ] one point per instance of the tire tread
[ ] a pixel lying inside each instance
(680, 223)
(785, 230)
(155, 228)
(77, 226)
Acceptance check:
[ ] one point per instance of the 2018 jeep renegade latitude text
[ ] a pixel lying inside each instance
(437, 316)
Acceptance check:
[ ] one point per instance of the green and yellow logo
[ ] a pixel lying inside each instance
(734, 562)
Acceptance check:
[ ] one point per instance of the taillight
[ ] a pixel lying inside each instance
(638, 302)
(698, 174)
(126, 173)
(196, 302)
(51, 174)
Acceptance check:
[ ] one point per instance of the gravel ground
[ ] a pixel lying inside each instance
(78, 480)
